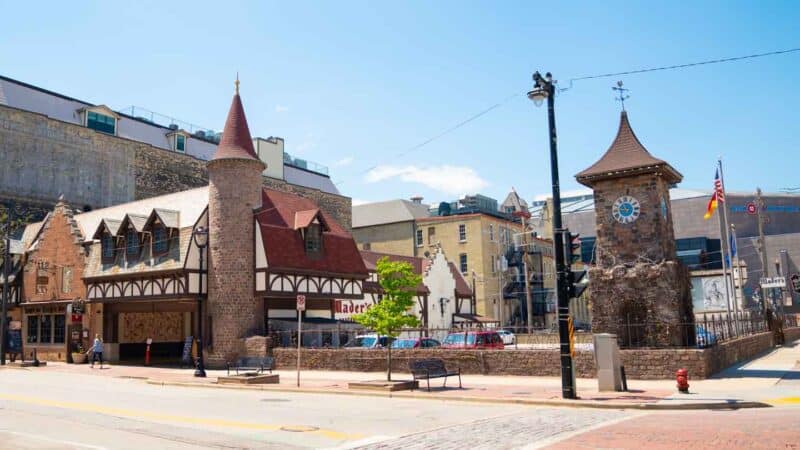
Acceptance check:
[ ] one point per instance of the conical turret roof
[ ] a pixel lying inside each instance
(627, 156)
(236, 142)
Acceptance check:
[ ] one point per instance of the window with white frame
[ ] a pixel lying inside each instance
(491, 232)
(462, 262)
(180, 143)
(419, 237)
(462, 232)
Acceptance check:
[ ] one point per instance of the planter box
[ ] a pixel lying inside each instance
(79, 358)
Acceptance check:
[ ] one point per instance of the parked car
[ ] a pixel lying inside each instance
(416, 343)
(483, 340)
(704, 338)
(368, 341)
(508, 337)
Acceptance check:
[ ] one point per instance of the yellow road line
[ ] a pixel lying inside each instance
(100, 409)
(784, 401)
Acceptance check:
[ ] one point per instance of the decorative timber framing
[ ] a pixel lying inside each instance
(273, 284)
(137, 287)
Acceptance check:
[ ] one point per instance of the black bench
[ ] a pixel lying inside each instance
(425, 369)
(252, 364)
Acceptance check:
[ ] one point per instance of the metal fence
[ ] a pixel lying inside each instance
(708, 330)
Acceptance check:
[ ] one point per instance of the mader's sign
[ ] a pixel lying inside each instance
(345, 309)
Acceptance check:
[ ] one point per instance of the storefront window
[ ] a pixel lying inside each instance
(33, 329)
(59, 329)
(46, 329)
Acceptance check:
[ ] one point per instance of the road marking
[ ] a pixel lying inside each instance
(100, 409)
(784, 401)
(56, 441)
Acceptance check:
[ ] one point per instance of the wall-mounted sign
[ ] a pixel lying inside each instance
(795, 279)
(773, 282)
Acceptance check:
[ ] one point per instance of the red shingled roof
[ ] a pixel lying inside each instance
(236, 142)
(626, 156)
(284, 245)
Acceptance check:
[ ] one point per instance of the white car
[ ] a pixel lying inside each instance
(508, 337)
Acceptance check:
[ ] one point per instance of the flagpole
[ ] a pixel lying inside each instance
(726, 244)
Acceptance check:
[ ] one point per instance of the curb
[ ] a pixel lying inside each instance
(509, 401)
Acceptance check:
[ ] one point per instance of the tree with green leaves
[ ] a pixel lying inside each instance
(393, 312)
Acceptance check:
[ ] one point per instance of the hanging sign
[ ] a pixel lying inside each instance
(773, 282)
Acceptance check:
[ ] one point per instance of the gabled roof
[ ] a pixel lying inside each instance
(418, 264)
(391, 211)
(302, 219)
(236, 142)
(138, 221)
(111, 225)
(168, 217)
(462, 287)
(626, 156)
(284, 245)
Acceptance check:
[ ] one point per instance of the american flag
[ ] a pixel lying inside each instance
(720, 195)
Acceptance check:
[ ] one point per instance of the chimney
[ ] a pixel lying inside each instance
(417, 199)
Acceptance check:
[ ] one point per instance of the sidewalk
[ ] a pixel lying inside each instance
(769, 379)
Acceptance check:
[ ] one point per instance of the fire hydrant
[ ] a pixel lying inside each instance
(682, 377)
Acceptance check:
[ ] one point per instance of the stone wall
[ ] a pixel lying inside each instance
(641, 364)
(42, 158)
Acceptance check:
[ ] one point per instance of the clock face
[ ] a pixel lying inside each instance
(626, 209)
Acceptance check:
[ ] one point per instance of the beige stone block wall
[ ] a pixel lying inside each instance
(394, 238)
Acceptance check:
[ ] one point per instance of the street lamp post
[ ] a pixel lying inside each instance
(200, 237)
(10, 210)
(544, 88)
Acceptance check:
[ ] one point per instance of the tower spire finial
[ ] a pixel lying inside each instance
(622, 93)
(237, 83)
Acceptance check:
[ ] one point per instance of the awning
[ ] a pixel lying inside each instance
(51, 303)
(476, 318)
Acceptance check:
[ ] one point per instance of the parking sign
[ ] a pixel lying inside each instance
(301, 302)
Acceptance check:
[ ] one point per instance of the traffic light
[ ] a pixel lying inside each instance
(575, 286)
(574, 247)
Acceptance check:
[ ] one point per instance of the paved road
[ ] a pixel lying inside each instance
(59, 410)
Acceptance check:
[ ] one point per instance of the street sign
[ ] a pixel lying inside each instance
(301, 302)
(773, 282)
(795, 278)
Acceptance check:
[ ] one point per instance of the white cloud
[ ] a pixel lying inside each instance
(453, 180)
(346, 161)
(281, 109)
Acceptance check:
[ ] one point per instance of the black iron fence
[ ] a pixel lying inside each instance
(708, 330)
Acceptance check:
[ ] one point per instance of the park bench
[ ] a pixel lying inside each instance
(252, 364)
(425, 369)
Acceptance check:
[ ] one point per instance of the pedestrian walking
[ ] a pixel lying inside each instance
(97, 350)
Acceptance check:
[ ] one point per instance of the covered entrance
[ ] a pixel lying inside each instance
(128, 324)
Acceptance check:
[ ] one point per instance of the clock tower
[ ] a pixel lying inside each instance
(639, 290)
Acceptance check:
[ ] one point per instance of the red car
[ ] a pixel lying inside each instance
(482, 340)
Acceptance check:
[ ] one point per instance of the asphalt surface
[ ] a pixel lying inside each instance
(57, 410)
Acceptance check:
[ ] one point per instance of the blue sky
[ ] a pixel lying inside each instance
(354, 84)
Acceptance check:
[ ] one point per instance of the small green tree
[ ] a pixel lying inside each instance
(392, 314)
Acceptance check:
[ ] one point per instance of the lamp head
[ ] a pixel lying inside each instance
(200, 236)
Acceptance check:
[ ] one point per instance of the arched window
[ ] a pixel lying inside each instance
(132, 242)
(107, 243)
(160, 240)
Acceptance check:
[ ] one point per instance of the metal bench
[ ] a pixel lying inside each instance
(425, 369)
(252, 364)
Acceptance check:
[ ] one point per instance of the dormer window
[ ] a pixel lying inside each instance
(101, 122)
(107, 245)
(160, 239)
(313, 238)
(180, 143)
(132, 242)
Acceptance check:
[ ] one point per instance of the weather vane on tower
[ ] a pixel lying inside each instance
(622, 93)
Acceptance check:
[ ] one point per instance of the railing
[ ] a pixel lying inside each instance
(708, 330)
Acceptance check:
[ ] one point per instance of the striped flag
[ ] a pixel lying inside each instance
(717, 197)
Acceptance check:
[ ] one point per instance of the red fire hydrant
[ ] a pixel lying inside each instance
(682, 377)
(147, 352)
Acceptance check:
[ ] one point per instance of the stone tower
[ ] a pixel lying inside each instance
(234, 191)
(639, 290)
